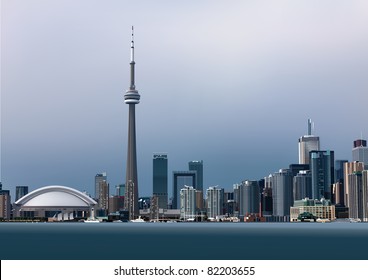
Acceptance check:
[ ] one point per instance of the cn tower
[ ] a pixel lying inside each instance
(131, 98)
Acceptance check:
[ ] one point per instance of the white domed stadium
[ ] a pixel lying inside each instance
(63, 203)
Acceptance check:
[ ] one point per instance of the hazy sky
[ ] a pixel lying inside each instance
(231, 83)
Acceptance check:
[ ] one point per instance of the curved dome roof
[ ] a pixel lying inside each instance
(55, 196)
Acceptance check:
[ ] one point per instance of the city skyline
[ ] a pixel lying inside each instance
(232, 86)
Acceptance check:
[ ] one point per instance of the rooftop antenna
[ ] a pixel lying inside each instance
(309, 127)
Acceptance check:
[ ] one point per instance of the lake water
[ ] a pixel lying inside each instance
(184, 241)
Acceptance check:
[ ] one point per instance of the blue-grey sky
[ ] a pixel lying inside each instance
(229, 83)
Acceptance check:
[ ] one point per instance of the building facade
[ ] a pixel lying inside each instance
(323, 171)
(160, 180)
(302, 185)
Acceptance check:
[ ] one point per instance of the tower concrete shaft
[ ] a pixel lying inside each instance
(131, 98)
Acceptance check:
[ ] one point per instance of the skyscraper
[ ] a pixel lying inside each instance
(249, 198)
(197, 166)
(355, 197)
(282, 194)
(323, 171)
(20, 191)
(160, 179)
(98, 179)
(360, 152)
(350, 168)
(131, 98)
(180, 180)
(187, 203)
(339, 184)
(307, 143)
(215, 202)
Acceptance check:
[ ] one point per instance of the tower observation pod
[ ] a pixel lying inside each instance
(132, 96)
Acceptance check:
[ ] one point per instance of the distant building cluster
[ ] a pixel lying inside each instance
(317, 187)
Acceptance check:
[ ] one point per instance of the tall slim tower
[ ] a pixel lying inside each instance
(131, 98)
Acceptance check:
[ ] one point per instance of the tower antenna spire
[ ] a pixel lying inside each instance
(132, 46)
(132, 63)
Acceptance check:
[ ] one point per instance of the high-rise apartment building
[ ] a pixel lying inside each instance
(99, 178)
(215, 202)
(180, 180)
(103, 197)
(197, 165)
(160, 169)
(187, 203)
(322, 169)
(307, 143)
(249, 198)
(350, 168)
(360, 152)
(20, 191)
